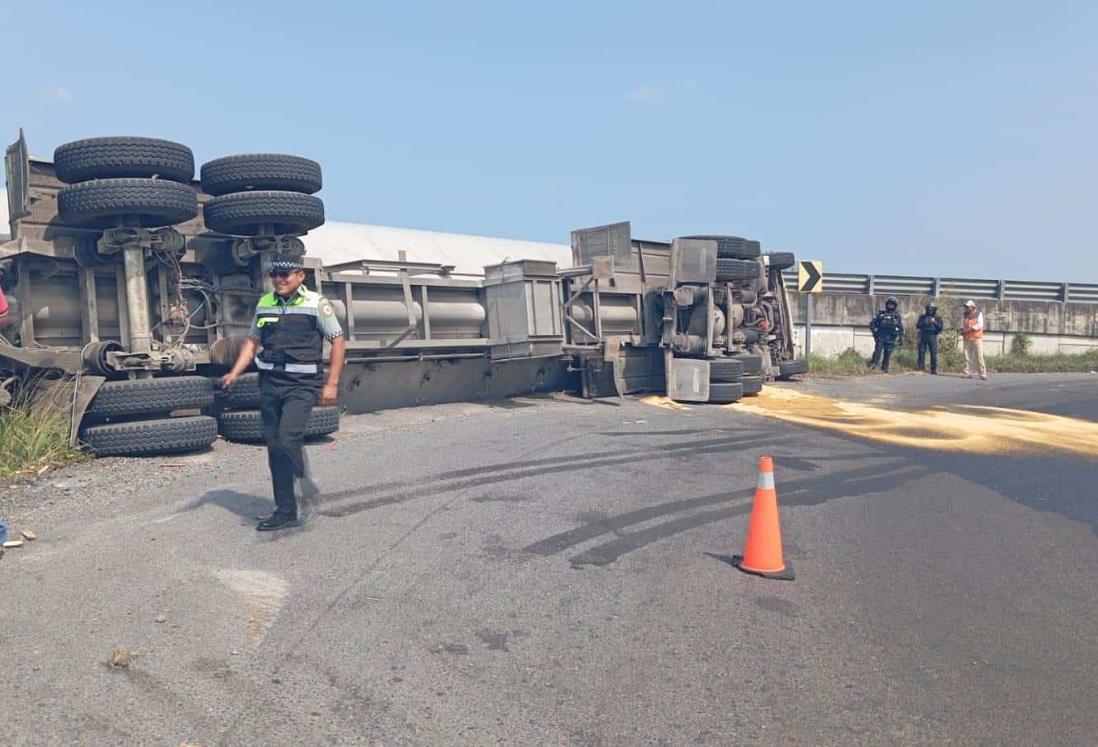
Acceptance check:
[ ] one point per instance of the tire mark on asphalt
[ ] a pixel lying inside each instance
(684, 432)
(866, 481)
(520, 463)
(566, 464)
(559, 542)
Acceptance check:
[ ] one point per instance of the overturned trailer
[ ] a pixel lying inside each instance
(139, 281)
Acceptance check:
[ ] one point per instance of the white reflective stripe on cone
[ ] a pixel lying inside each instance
(766, 480)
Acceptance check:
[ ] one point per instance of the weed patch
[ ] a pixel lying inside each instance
(34, 430)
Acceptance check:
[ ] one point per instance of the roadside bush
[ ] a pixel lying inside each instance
(851, 356)
(951, 356)
(904, 358)
(1021, 344)
(34, 430)
(847, 363)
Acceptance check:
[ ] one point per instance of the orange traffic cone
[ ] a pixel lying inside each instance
(762, 553)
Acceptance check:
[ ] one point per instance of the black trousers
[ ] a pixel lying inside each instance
(887, 347)
(928, 343)
(882, 352)
(286, 400)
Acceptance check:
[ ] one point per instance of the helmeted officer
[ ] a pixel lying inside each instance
(289, 329)
(888, 329)
(929, 326)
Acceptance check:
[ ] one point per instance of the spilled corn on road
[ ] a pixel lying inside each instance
(540, 571)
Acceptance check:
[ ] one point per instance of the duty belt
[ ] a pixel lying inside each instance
(263, 365)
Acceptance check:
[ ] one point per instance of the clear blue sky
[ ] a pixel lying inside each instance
(931, 137)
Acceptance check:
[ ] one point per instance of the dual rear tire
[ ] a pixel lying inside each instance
(144, 181)
(262, 193)
(246, 426)
(731, 379)
(139, 413)
(131, 417)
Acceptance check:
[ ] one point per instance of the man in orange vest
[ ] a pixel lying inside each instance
(972, 328)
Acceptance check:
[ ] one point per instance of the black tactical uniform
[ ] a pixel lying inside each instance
(291, 333)
(888, 330)
(929, 326)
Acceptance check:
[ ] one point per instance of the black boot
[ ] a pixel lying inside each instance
(276, 521)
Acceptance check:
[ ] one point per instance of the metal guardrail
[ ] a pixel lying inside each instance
(900, 285)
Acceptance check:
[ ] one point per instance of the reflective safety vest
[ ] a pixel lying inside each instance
(289, 331)
(974, 326)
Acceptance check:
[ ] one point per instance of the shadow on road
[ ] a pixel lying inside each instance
(1044, 482)
(241, 504)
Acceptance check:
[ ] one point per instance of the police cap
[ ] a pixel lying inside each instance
(284, 263)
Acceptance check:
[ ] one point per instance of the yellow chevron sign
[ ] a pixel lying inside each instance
(810, 276)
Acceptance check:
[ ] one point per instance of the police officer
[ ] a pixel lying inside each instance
(929, 326)
(888, 329)
(289, 330)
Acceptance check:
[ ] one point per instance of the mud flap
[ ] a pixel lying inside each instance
(86, 388)
(617, 366)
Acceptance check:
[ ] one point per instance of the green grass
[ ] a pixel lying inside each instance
(952, 360)
(849, 363)
(34, 431)
(1061, 363)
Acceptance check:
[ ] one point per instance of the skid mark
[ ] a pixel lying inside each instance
(263, 594)
(732, 442)
(808, 491)
(962, 428)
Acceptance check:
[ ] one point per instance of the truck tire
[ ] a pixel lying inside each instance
(246, 213)
(725, 370)
(121, 158)
(781, 260)
(264, 171)
(722, 394)
(733, 247)
(150, 396)
(751, 385)
(152, 202)
(736, 269)
(752, 363)
(147, 437)
(792, 368)
(246, 426)
(243, 395)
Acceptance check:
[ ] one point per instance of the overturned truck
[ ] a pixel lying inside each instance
(138, 282)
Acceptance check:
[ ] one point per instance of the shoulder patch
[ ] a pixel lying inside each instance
(326, 308)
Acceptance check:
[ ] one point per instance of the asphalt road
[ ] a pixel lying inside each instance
(542, 571)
